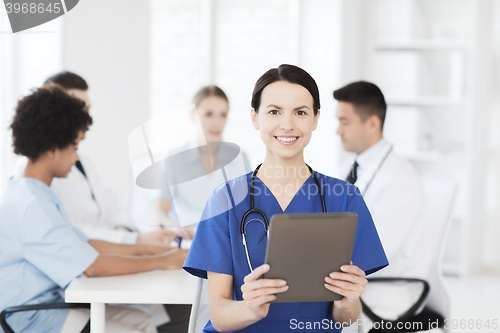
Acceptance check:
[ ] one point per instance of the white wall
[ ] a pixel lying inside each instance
(491, 231)
(245, 39)
(320, 45)
(113, 55)
(26, 59)
(107, 42)
(473, 243)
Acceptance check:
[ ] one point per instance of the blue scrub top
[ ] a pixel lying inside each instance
(217, 246)
(40, 253)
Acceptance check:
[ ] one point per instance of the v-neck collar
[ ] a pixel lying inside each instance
(301, 189)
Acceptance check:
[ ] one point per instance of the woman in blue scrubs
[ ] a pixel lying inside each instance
(285, 109)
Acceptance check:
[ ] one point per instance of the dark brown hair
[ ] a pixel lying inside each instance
(288, 73)
(47, 119)
(207, 91)
(366, 97)
(68, 80)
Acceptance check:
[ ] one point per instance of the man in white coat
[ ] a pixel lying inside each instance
(392, 191)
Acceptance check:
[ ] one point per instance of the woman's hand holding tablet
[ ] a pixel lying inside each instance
(350, 284)
(257, 292)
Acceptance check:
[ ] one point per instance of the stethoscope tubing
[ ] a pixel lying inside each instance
(378, 169)
(263, 215)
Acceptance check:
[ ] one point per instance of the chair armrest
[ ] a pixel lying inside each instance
(32, 307)
(411, 311)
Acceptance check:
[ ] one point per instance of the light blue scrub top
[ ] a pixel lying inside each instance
(40, 253)
(217, 245)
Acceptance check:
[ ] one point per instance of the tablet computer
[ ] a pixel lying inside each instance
(303, 249)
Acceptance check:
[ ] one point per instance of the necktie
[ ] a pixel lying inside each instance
(353, 174)
(79, 166)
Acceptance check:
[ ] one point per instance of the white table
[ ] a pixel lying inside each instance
(156, 287)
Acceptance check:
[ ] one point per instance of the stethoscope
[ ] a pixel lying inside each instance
(263, 215)
(378, 169)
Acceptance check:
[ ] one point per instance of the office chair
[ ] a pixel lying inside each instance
(46, 306)
(434, 301)
(441, 193)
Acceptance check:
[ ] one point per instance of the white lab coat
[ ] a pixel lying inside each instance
(96, 219)
(396, 201)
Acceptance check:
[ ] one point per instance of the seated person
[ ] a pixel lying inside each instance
(212, 106)
(92, 206)
(391, 188)
(41, 251)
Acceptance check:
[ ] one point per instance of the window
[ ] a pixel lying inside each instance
(26, 58)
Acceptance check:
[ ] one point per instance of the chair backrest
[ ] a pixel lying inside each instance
(199, 312)
(441, 193)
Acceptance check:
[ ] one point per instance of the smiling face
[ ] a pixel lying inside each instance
(212, 114)
(285, 119)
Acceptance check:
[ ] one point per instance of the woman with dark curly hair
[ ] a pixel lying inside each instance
(91, 205)
(46, 128)
(41, 251)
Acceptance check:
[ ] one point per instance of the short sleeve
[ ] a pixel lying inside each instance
(368, 253)
(210, 250)
(51, 244)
